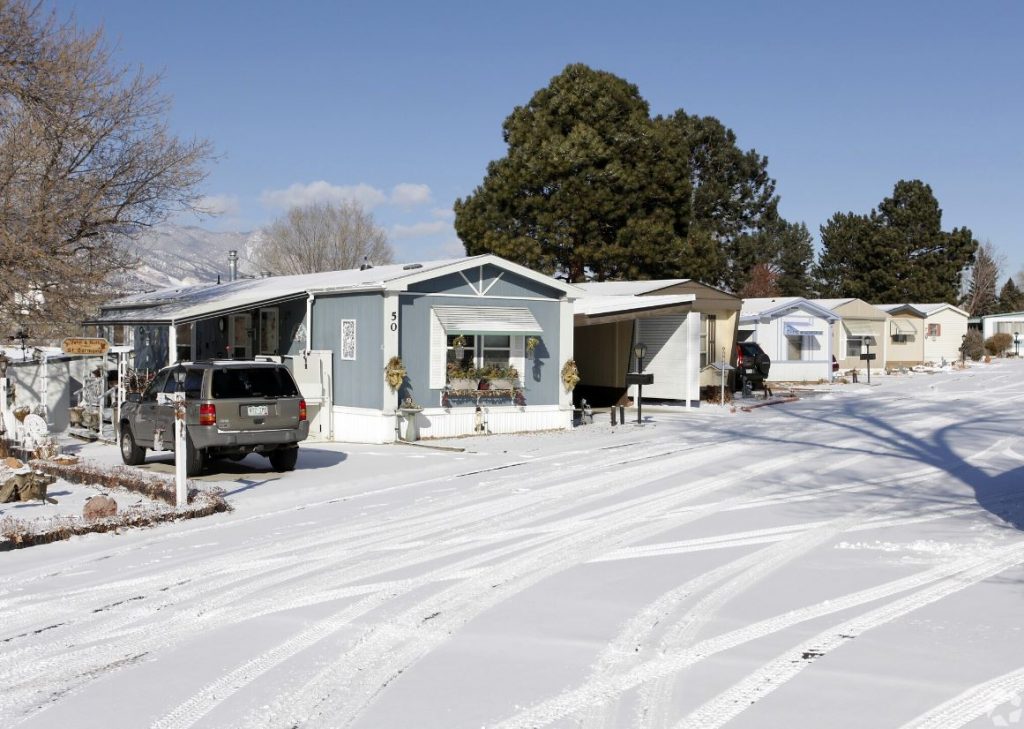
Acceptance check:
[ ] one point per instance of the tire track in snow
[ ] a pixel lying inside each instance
(379, 653)
(985, 698)
(732, 702)
(63, 667)
(970, 571)
(27, 669)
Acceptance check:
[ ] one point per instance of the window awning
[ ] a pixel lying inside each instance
(487, 320)
(801, 330)
(859, 329)
(902, 326)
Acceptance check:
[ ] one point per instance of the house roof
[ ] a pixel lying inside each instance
(922, 310)
(629, 288)
(606, 309)
(184, 304)
(768, 308)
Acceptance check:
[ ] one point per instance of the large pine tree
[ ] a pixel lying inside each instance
(593, 188)
(897, 253)
(1011, 298)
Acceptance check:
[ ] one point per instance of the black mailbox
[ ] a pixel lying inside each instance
(639, 378)
(868, 357)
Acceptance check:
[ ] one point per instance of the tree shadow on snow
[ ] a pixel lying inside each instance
(862, 427)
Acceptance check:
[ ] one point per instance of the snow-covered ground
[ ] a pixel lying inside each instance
(850, 560)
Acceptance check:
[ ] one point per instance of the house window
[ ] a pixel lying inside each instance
(348, 338)
(707, 339)
(794, 347)
(900, 338)
(468, 358)
(269, 336)
(183, 334)
(934, 330)
(480, 350)
(853, 346)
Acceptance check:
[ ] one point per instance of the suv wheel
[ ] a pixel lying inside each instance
(283, 459)
(131, 452)
(195, 458)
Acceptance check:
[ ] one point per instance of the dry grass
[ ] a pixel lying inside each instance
(16, 533)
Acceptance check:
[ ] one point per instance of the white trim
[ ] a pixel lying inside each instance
(473, 296)
(438, 353)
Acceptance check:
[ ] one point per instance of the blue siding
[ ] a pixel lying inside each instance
(357, 383)
(542, 378)
(509, 284)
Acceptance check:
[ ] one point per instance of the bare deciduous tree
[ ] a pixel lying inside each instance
(763, 281)
(86, 163)
(982, 281)
(322, 237)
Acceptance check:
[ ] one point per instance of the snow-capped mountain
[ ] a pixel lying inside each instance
(172, 256)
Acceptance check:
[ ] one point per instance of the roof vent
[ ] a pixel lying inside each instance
(411, 266)
(366, 263)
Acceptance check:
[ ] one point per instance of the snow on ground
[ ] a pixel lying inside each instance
(854, 559)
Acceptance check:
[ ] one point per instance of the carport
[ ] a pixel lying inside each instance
(605, 328)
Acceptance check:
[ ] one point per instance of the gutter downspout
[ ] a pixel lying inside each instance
(309, 322)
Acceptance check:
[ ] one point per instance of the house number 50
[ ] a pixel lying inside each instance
(394, 321)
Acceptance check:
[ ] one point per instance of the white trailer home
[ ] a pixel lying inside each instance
(796, 333)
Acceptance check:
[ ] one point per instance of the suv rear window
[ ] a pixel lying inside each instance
(254, 382)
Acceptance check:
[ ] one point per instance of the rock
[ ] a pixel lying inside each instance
(99, 507)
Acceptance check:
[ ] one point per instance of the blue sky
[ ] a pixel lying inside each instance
(400, 105)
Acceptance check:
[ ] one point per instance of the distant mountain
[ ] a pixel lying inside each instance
(172, 256)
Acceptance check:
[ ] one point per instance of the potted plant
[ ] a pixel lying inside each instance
(501, 377)
(531, 344)
(462, 378)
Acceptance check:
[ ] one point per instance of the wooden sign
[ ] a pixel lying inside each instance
(85, 345)
(868, 357)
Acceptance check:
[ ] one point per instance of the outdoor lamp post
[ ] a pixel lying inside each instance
(639, 350)
(1016, 344)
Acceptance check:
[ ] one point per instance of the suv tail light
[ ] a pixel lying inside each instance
(208, 414)
(739, 356)
(302, 411)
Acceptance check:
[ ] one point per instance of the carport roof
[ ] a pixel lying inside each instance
(606, 309)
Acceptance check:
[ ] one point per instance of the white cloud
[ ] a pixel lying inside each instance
(443, 213)
(218, 205)
(322, 191)
(453, 248)
(407, 194)
(417, 230)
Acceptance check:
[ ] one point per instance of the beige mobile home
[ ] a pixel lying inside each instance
(864, 329)
(925, 333)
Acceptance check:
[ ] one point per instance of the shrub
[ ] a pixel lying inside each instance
(973, 346)
(998, 343)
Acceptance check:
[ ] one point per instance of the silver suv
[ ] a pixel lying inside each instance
(233, 407)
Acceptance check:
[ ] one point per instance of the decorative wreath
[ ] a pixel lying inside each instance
(394, 373)
(570, 374)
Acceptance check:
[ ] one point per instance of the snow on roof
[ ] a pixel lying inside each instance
(629, 288)
(831, 303)
(761, 307)
(923, 310)
(604, 305)
(186, 303)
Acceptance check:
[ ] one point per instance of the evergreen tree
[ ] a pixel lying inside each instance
(592, 188)
(897, 253)
(1011, 298)
(787, 247)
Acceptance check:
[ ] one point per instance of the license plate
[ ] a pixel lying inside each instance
(256, 411)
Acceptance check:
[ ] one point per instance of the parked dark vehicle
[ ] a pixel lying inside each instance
(752, 365)
(233, 408)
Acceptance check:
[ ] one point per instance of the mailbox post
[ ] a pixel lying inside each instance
(867, 356)
(180, 441)
(639, 379)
